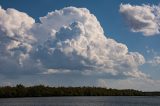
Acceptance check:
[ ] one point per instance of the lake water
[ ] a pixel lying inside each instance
(83, 101)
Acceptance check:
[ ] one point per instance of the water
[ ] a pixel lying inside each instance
(82, 101)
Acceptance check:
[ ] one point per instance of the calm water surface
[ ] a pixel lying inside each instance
(82, 101)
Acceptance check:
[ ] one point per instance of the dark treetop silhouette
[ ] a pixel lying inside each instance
(46, 91)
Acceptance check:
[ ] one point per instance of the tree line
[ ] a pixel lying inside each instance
(46, 91)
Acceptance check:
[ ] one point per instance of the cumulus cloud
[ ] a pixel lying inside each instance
(79, 43)
(144, 18)
(66, 40)
(16, 42)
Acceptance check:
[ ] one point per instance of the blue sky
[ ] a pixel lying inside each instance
(115, 26)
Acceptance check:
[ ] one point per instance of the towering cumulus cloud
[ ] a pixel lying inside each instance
(144, 19)
(15, 40)
(66, 40)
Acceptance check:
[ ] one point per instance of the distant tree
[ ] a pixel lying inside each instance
(44, 91)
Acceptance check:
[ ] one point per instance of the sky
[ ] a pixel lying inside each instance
(107, 43)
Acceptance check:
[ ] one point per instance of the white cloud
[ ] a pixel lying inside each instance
(144, 19)
(55, 71)
(80, 44)
(155, 61)
(16, 41)
(151, 51)
(14, 23)
(67, 39)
